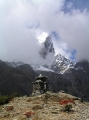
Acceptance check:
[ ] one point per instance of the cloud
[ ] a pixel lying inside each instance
(23, 20)
(18, 43)
(74, 31)
(61, 48)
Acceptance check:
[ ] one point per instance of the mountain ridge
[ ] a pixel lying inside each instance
(63, 74)
(74, 80)
(55, 63)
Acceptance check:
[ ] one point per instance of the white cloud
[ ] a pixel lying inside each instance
(41, 38)
(62, 48)
(23, 20)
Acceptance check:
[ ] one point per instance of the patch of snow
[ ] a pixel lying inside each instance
(79, 68)
(44, 69)
(19, 63)
(66, 68)
(14, 64)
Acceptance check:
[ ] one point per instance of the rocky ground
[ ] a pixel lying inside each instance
(44, 107)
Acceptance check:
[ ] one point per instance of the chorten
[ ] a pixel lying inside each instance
(40, 86)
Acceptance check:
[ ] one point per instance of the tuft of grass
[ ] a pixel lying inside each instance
(67, 108)
(66, 105)
(36, 118)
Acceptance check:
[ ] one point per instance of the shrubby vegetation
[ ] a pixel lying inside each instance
(8, 108)
(66, 104)
(28, 114)
(65, 101)
(5, 99)
(67, 108)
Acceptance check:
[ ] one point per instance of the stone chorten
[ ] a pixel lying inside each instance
(40, 86)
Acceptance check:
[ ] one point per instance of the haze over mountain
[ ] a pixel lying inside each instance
(49, 60)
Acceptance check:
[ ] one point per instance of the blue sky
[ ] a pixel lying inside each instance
(78, 4)
(73, 55)
(22, 21)
(55, 34)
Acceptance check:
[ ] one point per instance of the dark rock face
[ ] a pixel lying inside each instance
(79, 77)
(74, 81)
(28, 71)
(47, 48)
(15, 80)
(49, 45)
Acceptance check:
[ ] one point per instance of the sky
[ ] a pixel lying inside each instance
(23, 21)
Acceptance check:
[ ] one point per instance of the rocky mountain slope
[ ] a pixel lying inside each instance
(61, 64)
(16, 79)
(79, 77)
(44, 107)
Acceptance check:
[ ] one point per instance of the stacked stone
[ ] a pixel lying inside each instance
(40, 86)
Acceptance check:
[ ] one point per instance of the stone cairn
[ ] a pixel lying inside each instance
(40, 86)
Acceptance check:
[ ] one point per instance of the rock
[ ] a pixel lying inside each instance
(36, 107)
(49, 96)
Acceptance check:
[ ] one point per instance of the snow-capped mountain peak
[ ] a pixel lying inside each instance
(60, 58)
(61, 64)
(50, 62)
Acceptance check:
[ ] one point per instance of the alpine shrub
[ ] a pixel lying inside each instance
(8, 108)
(28, 114)
(63, 102)
(4, 100)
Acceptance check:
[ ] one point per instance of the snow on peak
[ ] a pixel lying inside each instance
(42, 37)
(42, 68)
